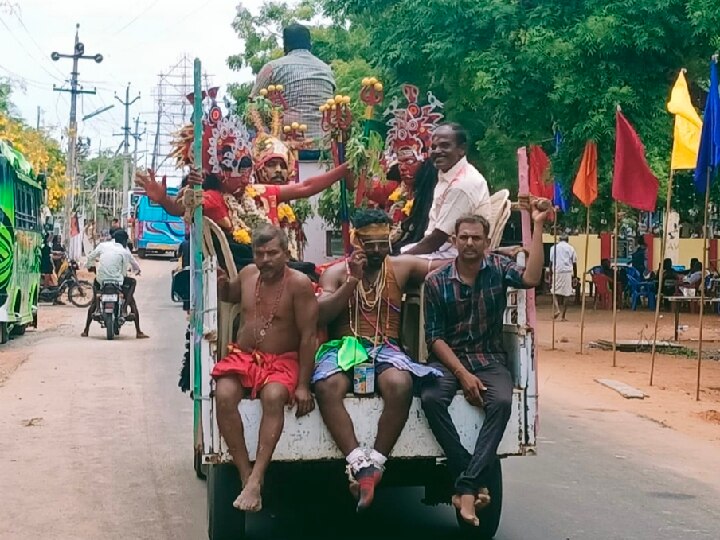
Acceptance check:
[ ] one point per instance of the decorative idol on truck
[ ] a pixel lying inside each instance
(410, 129)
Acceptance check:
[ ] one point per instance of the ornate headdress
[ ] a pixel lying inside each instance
(411, 128)
(225, 139)
(265, 112)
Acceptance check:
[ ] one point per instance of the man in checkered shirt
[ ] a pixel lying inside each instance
(464, 306)
(308, 81)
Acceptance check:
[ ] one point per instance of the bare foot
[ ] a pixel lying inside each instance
(483, 499)
(84, 334)
(465, 506)
(250, 499)
(140, 335)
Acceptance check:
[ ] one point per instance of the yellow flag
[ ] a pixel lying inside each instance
(688, 126)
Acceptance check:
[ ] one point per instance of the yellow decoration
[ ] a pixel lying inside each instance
(251, 192)
(285, 212)
(271, 88)
(279, 87)
(241, 236)
(264, 92)
(378, 87)
(303, 127)
(286, 129)
(395, 195)
(294, 125)
(408, 207)
(346, 100)
(366, 81)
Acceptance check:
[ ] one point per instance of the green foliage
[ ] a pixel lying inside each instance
(106, 161)
(329, 206)
(302, 209)
(5, 90)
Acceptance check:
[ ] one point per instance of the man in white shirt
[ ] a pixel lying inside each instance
(112, 259)
(461, 190)
(563, 271)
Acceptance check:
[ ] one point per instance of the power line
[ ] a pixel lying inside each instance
(143, 12)
(28, 53)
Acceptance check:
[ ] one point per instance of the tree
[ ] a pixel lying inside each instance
(512, 72)
(106, 161)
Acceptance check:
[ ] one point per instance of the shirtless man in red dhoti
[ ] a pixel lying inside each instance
(273, 358)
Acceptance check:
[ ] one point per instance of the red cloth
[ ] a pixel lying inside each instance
(379, 193)
(539, 174)
(633, 182)
(270, 194)
(214, 206)
(257, 369)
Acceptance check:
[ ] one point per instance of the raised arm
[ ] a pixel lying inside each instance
(338, 285)
(157, 192)
(305, 306)
(316, 184)
(536, 258)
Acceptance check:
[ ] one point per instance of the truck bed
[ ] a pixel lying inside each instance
(307, 438)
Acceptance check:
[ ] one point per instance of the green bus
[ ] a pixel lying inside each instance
(21, 197)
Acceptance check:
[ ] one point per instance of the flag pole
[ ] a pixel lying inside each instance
(615, 280)
(552, 284)
(702, 283)
(663, 247)
(582, 280)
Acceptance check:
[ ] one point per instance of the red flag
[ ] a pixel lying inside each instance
(540, 173)
(633, 182)
(585, 186)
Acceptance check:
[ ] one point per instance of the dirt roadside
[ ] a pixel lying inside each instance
(51, 319)
(567, 377)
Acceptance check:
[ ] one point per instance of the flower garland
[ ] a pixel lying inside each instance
(402, 205)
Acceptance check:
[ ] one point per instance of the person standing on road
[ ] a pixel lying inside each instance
(563, 273)
(464, 306)
(460, 190)
(361, 303)
(273, 358)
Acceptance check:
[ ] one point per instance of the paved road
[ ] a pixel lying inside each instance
(96, 443)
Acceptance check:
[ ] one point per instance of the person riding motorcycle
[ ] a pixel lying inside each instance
(113, 259)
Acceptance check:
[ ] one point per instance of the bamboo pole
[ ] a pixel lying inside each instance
(658, 298)
(552, 284)
(582, 279)
(702, 283)
(615, 280)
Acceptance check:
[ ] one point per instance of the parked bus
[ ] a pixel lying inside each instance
(21, 197)
(156, 231)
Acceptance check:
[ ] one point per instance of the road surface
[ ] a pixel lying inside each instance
(97, 444)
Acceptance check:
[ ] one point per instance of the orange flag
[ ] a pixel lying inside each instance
(585, 186)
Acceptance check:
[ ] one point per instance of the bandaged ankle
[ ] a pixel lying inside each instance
(377, 459)
(357, 459)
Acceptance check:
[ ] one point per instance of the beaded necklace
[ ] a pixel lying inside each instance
(266, 322)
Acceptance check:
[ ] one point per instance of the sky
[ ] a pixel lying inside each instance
(138, 39)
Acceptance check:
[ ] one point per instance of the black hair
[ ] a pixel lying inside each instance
(265, 234)
(394, 173)
(296, 36)
(475, 219)
(212, 182)
(245, 163)
(413, 228)
(121, 237)
(370, 216)
(461, 134)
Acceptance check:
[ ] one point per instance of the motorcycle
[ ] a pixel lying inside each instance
(79, 292)
(110, 312)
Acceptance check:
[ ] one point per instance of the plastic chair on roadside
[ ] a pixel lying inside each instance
(640, 289)
(603, 294)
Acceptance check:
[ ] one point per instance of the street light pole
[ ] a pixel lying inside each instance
(71, 169)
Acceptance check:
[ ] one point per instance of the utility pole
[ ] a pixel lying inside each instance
(75, 90)
(126, 153)
(137, 136)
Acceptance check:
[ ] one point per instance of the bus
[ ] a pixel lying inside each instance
(21, 197)
(156, 231)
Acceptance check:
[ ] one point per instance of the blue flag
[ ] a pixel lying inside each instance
(560, 199)
(709, 153)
